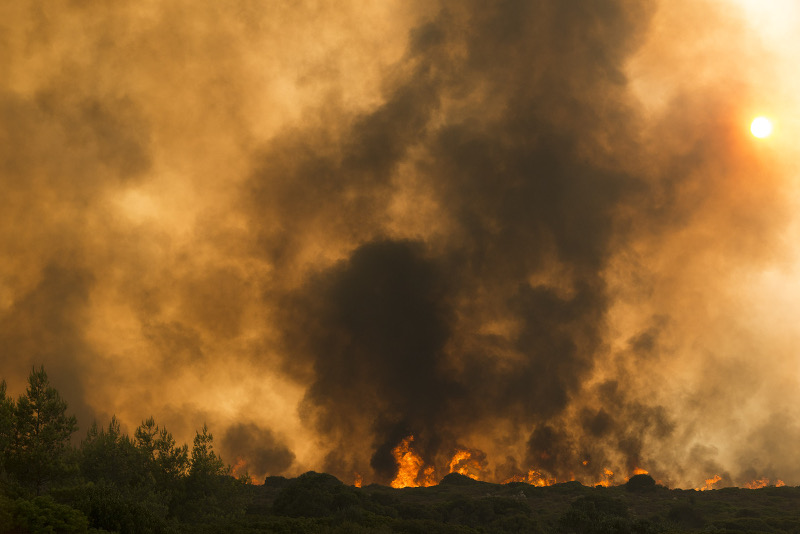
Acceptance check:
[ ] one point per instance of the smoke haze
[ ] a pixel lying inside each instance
(540, 231)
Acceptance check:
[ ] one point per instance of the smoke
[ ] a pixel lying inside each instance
(537, 231)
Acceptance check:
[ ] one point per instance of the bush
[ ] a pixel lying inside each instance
(640, 483)
(43, 514)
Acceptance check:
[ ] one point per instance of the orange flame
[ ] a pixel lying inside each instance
(763, 483)
(534, 478)
(409, 466)
(467, 462)
(756, 484)
(710, 483)
(607, 480)
(640, 471)
(239, 469)
(358, 481)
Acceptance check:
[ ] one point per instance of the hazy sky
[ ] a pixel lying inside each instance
(537, 230)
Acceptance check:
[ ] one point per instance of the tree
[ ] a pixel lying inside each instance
(205, 462)
(168, 462)
(38, 453)
(6, 425)
(110, 455)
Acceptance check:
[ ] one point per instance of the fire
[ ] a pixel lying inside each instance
(467, 462)
(710, 483)
(756, 484)
(358, 480)
(534, 478)
(763, 483)
(411, 470)
(608, 478)
(640, 471)
(537, 478)
(239, 469)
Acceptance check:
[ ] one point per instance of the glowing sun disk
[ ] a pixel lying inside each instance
(761, 127)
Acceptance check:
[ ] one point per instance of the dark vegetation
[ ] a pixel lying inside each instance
(113, 482)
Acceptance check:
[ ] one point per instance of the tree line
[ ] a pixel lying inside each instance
(111, 481)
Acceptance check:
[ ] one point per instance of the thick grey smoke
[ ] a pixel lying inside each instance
(501, 228)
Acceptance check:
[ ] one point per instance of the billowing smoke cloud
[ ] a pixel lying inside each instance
(508, 228)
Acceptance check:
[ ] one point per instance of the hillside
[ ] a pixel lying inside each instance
(317, 502)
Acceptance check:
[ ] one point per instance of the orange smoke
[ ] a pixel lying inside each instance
(411, 469)
(710, 483)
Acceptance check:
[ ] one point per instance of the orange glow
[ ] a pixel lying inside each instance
(358, 481)
(763, 483)
(585, 462)
(239, 469)
(465, 463)
(640, 471)
(755, 484)
(534, 478)
(411, 470)
(607, 480)
(710, 483)
(761, 127)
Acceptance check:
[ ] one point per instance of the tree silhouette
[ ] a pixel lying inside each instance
(6, 425)
(39, 450)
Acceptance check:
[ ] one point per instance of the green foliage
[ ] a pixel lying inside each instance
(639, 483)
(107, 455)
(314, 495)
(601, 514)
(7, 424)
(210, 491)
(167, 463)
(39, 451)
(686, 515)
(124, 509)
(40, 514)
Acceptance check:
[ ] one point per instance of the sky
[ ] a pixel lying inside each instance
(537, 232)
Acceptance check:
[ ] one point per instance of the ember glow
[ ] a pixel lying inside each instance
(537, 236)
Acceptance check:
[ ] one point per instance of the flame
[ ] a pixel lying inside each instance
(534, 478)
(608, 478)
(537, 478)
(710, 483)
(756, 484)
(763, 483)
(409, 465)
(640, 471)
(585, 462)
(467, 462)
(239, 469)
(357, 481)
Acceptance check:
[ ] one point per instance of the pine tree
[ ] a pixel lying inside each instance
(205, 462)
(6, 426)
(39, 450)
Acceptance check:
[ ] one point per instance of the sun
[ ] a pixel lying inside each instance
(761, 127)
